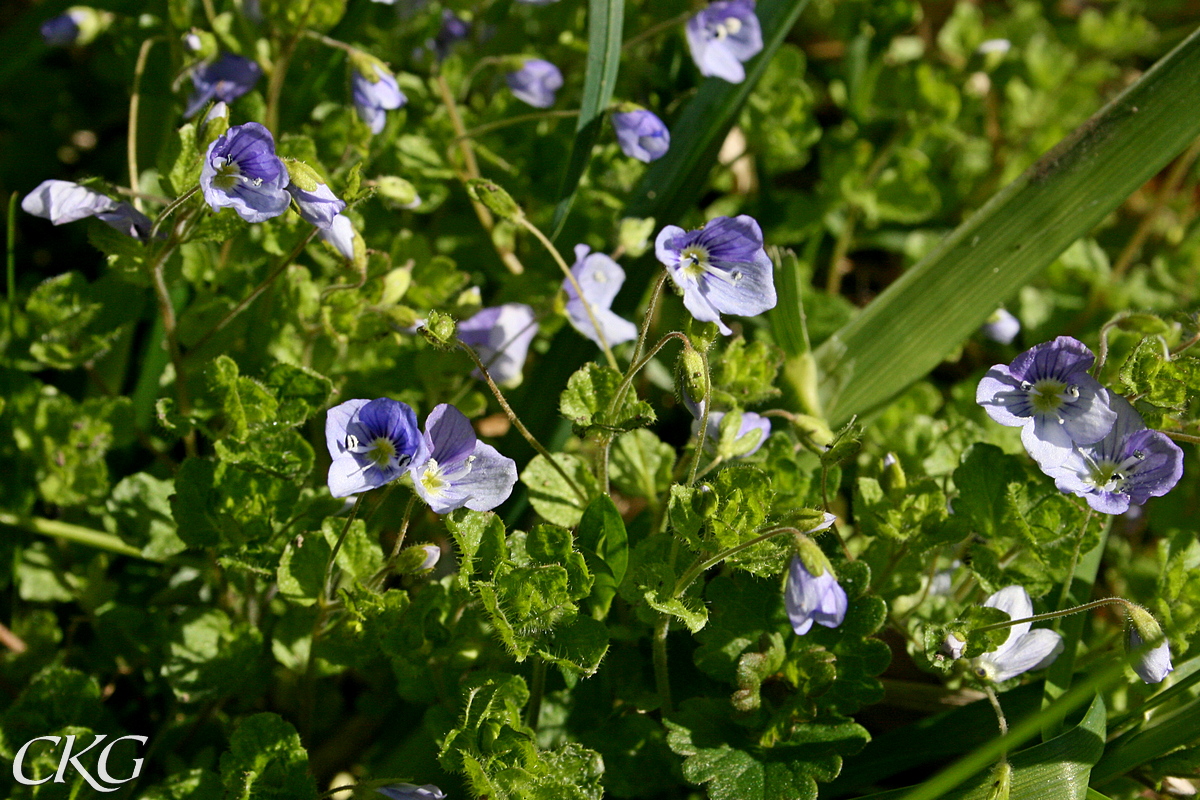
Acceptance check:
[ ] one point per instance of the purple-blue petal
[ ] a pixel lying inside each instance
(535, 82)
(319, 207)
(63, 201)
(501, 335)
(641, 134)
(449, 435)
(810, 598)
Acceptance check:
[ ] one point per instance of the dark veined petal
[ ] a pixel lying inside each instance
(449, 434)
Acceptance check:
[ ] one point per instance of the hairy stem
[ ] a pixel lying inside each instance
(662, 675)
(337, 546)
(72, 533)
(135, 99)
(517, 120)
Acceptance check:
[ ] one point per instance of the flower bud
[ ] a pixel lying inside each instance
(418, 558)
(439, 330)
(954, 645)
(1151, 665)
(397, 192)
(495, 198)
(200, 43)
(692, 378)
(892, 479)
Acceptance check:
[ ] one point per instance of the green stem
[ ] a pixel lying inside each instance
(658, 28)
(72, 533)
(1183, 437)
(533, 711)
(1066, 588)
(587, 304)
(326, 40)
(662, 675)
(337, 546)
(1106, 601)
(516, 421)
(166, 310)
(169, 210)
(517, 120)
(698, 566)
(10, 283)
(135, 99)
(702, 431)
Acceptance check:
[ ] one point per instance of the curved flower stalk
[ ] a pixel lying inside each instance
(1128, 466)
(501, 335)
(600, 278)
(723, 36)
(721, 268)
(242, 172)
(1024, 649)
(371, 442)
(1048, 392)
(454, 469)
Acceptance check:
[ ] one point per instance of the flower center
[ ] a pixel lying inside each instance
(1048, 395)
(229, 173)
(694, 261)
(431, 478)
(726, 28)
(380, 452)
(1109, 476)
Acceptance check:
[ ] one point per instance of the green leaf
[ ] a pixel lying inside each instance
(179, 162)
(552, 496)
(640, 464)
(480, 540)
(209, 656)
(551, 545)
(300, 392)
(72, 322)
(55, 698)
(266, 761)
(605, 21)
(589, 396)
(742, 609)
(526, 602)
(745, 373)
(605, 544)
(1000, 248)
(139, 510)
(195, 784)
(245, 404)
(301, 574)
(720, 755)
(223, 505)
(578, 646)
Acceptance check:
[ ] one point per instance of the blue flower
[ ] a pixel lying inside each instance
(721, 268)
(1048, 392)
(227, 79)
(501, 336)
(340, 234)
(752, 425)
(813, 598)
(454, 29)
(371, 443)
(600, 278)
(723, 36)
(64, 201)
(320, 207)
(1128, 466)
(1001, 327)
(641, 134)
(535, 82)
(63, 30)
(407, 791)
(375, 92)
(1024, 649)
(242, 172)
(454, 469)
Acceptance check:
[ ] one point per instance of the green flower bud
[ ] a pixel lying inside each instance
(439, 330)
(418, 558)
(494, 197)
(811, 555)
(634, 235)
(691, 376)
(892, 479)
(397, 192)
(302, 174)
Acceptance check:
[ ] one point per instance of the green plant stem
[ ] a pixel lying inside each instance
(135, 99)
(1178, 172)
(166, 310)
(662, 674)
(516, 421)
(702, 431)
(278, 270)
(517, 120)
(412, 501)
(699, 566)
(169, 210)
(471, 170)
(1066, 588)
(331, 42)
(537, 690)
(337, 546)
(587, 305)
(72, 533)
(657, 28)
(10, 278)
(1183, 437)
(1106, 601)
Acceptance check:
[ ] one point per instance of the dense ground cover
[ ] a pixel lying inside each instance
(549, 399)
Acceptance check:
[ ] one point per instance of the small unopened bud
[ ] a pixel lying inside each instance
(892, 479)
(439, 330)
(693, 377)
(494, 197)
(1152, 665)
(397, 192)
(418, 558)
(811, 555)
(200, 43)
(954, 645)
(302, 174)
(705, 500)
(216, 122)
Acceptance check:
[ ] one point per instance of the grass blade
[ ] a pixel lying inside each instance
(920, 318)
(605, 19)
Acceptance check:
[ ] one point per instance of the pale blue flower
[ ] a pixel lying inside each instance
(1048, 392)
(813, 598)
(454, 469)
(375, 93)
(408, 791)
(641, 134)
(1128, 466)
(371, 443)
(63, 30)
(1001, 327)
(242, 172)
(600, 278)
(64, 201)
(320, 207)
(1154, 665)
(535, 82)
(723, 36)
(721, 268)
(128, 220)
(340, 234)
(501, 336)
(1024, 649)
